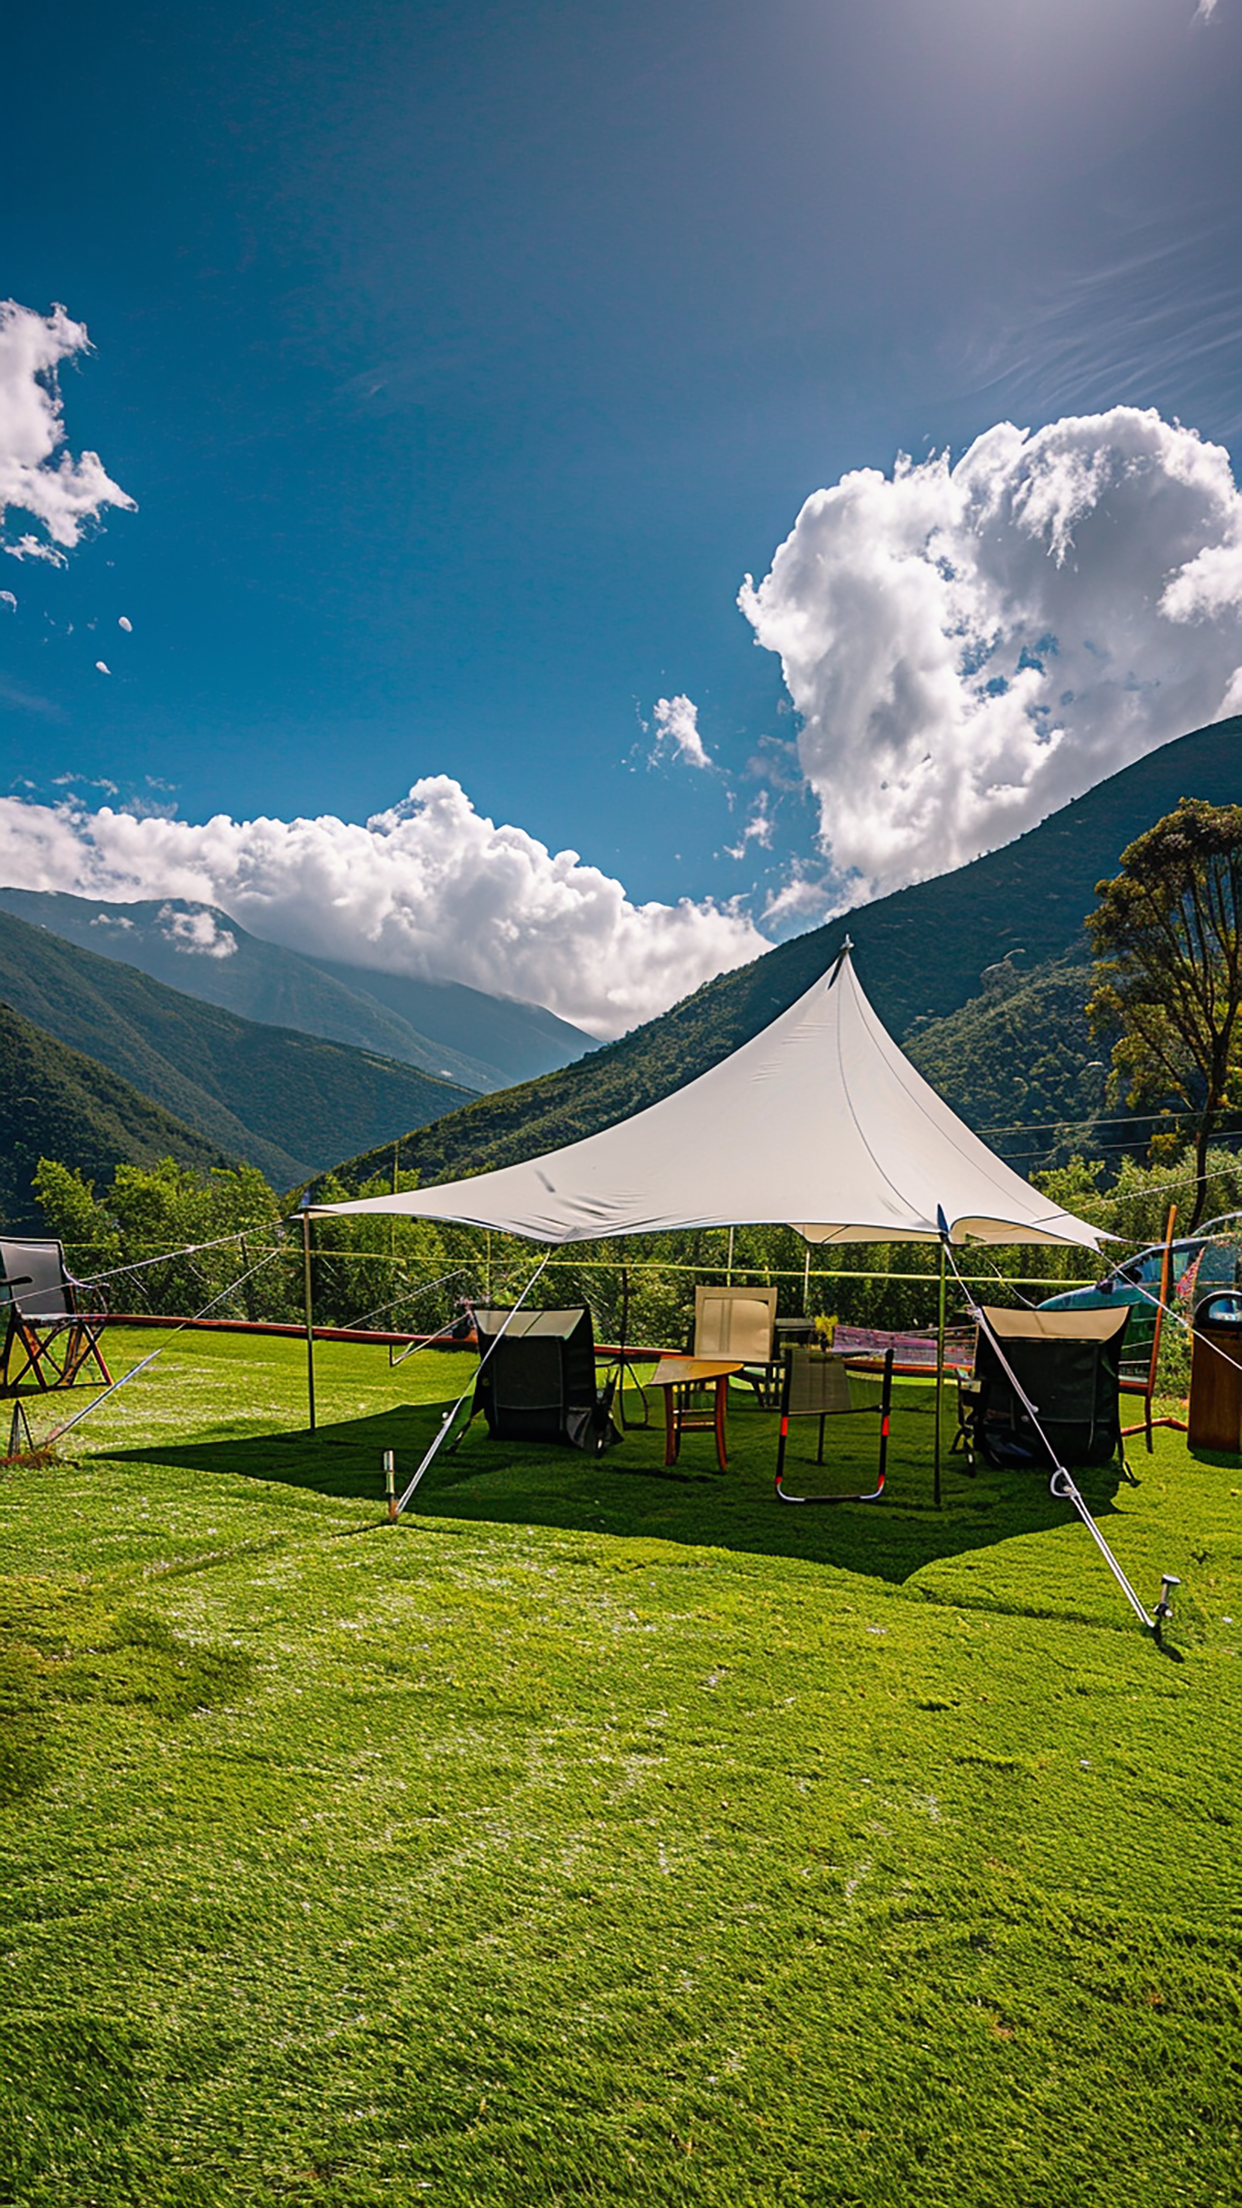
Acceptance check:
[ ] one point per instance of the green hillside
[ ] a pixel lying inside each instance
(1020, 1065)
(453, 1033)
(55, 1102)
(287, 1102)
(921, 955)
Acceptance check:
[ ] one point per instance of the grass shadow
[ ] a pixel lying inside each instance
(632, 1494)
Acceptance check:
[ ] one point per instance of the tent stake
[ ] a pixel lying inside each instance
(306, 1299)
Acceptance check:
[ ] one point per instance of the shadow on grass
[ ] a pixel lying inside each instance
(630, 1493)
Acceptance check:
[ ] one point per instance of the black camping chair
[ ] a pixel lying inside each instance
(51, 1334)
(817, 1385)
(537, 1379)
(1069, 1365)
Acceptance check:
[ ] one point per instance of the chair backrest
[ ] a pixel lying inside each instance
(1068, 1364)
(734, 1322)
(817, 1383)
(535, 1366)
(35, 1282)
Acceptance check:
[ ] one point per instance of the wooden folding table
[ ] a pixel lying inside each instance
(681, 1379)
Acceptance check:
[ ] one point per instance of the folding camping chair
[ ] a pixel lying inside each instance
(537, 1379)
(1068, 1363)
(817, 1385)
(50, 1336)
(740, 1322)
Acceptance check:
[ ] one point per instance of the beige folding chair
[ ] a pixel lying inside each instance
(740, 1322)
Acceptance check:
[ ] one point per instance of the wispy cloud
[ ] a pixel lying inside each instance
(758, 829)
(37, 477)
(1159, 311)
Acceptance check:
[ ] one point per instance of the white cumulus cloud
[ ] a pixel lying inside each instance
(36, 476)
(677, 723)
(429, 887)
(971, 645)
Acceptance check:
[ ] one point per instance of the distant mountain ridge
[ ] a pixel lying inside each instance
(443, 1028)
(920, 954)
(277, 1097)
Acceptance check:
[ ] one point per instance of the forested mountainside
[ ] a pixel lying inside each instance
(284, 1101)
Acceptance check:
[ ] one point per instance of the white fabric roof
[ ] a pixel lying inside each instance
(819, 1123)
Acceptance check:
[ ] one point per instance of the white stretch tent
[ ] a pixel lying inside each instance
(819, 1123)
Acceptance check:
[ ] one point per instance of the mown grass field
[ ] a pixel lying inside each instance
(603, 1834)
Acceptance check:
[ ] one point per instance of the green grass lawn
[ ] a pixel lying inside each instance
(601, 1833)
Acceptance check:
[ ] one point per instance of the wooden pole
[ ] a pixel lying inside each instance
(310, 1326)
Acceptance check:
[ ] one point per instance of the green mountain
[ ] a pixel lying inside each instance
(284, 1101)
(57, 1103)
(1021, 1066)
(448, 1031)
(921, 955)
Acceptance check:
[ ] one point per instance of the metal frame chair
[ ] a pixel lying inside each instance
(817, 1385)
(50, 1337)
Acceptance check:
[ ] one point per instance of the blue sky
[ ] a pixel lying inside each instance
(462, 362)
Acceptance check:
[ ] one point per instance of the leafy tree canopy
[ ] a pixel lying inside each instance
(1167, 939)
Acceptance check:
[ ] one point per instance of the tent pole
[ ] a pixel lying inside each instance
(939, 1368)
(310, 1328)
(729, 1270)
(806, 1284)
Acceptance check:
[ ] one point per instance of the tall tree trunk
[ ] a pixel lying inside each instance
(1201, 1151)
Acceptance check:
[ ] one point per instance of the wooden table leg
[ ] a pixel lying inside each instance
(671, 1436)
(722, 1388)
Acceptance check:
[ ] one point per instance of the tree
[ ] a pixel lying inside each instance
(1167, 939)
